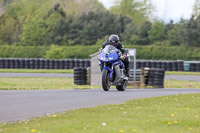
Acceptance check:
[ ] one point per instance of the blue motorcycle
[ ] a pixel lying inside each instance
(113, 70)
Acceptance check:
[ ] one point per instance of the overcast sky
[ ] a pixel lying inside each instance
(167, 9)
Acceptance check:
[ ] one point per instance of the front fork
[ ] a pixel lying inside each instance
(110, 69)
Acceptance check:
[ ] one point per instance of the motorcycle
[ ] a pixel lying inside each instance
(113, 69)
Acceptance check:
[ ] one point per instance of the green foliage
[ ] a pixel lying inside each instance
(139, 11)
(196, 8)
(7, 51)
(142, 36)
(54, 52)
(84, 52)
(157, 32)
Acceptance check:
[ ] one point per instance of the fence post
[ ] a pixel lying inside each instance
(142, 76)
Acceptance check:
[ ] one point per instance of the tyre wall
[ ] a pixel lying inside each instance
(8, 63)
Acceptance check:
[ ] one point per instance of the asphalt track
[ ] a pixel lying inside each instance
(21, 105)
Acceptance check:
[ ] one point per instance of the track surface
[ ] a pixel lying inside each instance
(26, 104)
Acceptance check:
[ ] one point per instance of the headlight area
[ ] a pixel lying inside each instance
(110, 58)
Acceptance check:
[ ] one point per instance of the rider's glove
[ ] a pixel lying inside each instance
(123, 57)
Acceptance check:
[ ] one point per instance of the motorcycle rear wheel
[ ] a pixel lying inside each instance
(122, 87)
(106, 83)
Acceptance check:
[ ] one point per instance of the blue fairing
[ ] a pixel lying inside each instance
(110, 71)
(110, 55)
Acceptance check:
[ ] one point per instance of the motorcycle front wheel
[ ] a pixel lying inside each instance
(106, 83)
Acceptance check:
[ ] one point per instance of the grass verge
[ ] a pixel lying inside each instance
(181, 73)
(171, 83)
(23, 83)
(40, 83)
(36, 70)
(169, 114)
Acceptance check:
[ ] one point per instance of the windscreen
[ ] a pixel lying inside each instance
(109, 48)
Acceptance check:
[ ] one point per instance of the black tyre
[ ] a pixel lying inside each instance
(122, 87)
(105, 80)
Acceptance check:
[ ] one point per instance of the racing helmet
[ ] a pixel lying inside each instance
(113, 40)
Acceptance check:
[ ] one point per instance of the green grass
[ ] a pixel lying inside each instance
(40, 83)
(23, 83)
(71, 71)
(168, 114)
(181, 73)
(36, 70)
(171, 83)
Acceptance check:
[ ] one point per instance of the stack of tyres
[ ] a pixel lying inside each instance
(56, 64)
(143, 64)
(164, 65)
(138, 64)
(148, 64)
(61, 64)
(192, 67)
(156, 78)
(159, 77)
(71, 64)
(17, 64)
(76, 63)
(169, 66)
(21, 63)
(86, 65)
(197, 68)
(26, 63)
(12, 63)
(180, 65)
(2, 63)
(81, 63)
(32, 63)
(174, 66)
(66, 64)
(158, 64)
(153, 64)
(151, 77)
(7, 63)
(37, 63)
(51, 64)
(41, 63)
(80, 76)
(46, 64)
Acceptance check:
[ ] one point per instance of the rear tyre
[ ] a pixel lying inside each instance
(105, 80)
(122, 87)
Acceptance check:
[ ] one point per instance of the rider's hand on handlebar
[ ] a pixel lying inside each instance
(123, 57)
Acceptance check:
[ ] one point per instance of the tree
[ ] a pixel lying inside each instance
(139, 10)
(142, 37)
(196, 8)
(157, 33)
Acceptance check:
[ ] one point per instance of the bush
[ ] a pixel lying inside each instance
(7, 51)
(84, 52)
(55, 52)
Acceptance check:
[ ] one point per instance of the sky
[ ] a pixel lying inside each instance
(167, 9)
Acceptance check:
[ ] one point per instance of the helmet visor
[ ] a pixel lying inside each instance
(113, 43)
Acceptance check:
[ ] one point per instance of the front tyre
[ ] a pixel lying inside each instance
(122, 87)
(105, 80)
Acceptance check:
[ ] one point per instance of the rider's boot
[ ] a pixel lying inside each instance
(127, 72)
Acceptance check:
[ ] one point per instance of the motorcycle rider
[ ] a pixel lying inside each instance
(114, 41)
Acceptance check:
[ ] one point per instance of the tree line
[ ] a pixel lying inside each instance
(87, 22)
